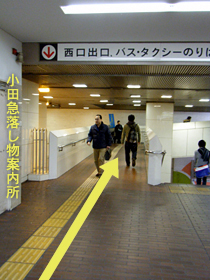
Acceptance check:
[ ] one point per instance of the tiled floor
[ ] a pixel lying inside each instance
(135, 231)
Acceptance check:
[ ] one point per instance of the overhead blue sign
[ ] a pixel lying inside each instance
(111, 120)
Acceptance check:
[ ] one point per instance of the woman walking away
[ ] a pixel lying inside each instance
(201, 163)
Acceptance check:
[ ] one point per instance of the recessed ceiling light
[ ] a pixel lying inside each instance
(109, 104)
(86, 108)
(150, 7)
(166, 96)
(80, 85)
(47, 97)
(43, 89)
(188, 106)
(136, 104)
(103, 100)
(133, 86)
(40, 103)
(136, 101)
(95, 95)
(204, 100)
(135, 96)
(72, 104)
(35, 94)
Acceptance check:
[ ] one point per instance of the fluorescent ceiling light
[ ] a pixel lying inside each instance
(188, 106)
(35, 94)
(103, 100)
(157, 106)
(72, 104)
(166, 96)
(47, 97)
(26, 99)
(136, 101)
(135, 96)
(95, 95)
(137, 8)
(86, 108)
(80, 85)
(136, 104)
(109, 104)
(133, 86)
(204, 100)
(40, 103)
(43, 89)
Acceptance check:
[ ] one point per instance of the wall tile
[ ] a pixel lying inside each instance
(179, 144)
(193, 136)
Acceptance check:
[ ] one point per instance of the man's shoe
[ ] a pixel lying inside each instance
(128, 164)
(133, 162)
(98, 175)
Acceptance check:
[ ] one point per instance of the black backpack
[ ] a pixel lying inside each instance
(132, 136)
(204, 154)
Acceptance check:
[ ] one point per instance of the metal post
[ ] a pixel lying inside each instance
(39, 150)
(33, 151)
(46, 154)
(43, 146)
(36, 150)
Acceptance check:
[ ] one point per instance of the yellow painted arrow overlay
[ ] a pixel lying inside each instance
(110, 169)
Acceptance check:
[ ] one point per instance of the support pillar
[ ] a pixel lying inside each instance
(159, 118)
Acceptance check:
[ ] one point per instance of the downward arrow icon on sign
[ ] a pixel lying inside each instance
(48, 54)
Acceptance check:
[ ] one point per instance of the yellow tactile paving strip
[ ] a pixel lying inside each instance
(47, 231)
(23, 260)
(14, 271)
(38, 242)
(189, 190)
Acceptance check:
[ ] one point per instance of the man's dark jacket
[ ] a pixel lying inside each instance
(101, 136)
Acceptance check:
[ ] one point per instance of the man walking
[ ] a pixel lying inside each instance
(101, 136)
(131, 135)
(118, 132)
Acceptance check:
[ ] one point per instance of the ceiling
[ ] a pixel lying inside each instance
(186, 84)
(43, 21)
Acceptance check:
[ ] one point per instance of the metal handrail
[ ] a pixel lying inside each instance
(153, 152)
(157, 153)
(60, 147)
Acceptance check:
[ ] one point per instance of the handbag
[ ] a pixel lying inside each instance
(108, 154)
(202, 171)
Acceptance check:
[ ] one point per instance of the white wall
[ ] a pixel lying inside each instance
(8, 66)
(42, 115)
(62, 161)
(30, 120)
(55, 119)
(186, 137)
(196, 116)
(71, 118)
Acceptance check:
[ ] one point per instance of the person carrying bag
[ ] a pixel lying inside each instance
(202, 163)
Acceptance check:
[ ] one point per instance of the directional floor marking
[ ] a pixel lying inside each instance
(12, 270)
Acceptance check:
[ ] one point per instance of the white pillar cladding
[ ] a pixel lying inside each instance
(159, 118)
(30, 120)
(8, 67)
(154, 160)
